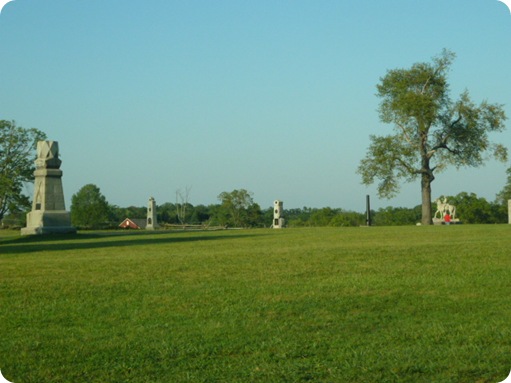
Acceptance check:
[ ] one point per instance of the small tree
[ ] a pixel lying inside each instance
(236, 205)
(182, 204)
(89, 208)
(430, 131)
(17, 155)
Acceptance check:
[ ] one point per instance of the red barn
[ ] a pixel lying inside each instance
(133, 223)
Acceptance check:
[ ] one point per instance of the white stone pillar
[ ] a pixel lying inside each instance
(509, 211)
(151, 215)
(278, 221)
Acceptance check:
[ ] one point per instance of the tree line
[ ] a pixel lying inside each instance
(236, 209)
(90, 210)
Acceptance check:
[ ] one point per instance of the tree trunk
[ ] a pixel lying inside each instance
(426, 199)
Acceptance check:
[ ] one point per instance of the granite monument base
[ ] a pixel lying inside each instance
(440, 221)
(48, 222)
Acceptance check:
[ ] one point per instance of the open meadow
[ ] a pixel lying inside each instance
(379, 304)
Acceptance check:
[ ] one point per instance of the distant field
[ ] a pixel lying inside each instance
(380, 304)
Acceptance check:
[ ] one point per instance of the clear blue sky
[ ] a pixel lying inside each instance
(276, 97)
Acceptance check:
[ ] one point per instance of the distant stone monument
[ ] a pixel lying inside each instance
(368, 210)
(278, 221)
(48, 213)
(443, 208)
(509, 211)
(151, 215)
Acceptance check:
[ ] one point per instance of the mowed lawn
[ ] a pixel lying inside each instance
(379, 304)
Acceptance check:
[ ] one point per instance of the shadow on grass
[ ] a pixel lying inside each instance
(62, 242)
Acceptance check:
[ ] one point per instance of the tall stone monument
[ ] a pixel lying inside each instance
(278, 221)
(368, 210)
(509, 211)
(48, 213)
(151, 223)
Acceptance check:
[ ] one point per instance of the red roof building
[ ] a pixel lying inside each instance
(133, 223)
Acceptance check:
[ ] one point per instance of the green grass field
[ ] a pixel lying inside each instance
(380, 304)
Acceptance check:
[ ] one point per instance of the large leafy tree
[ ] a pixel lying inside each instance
(89, 208)
(17, 155)
(431, 132)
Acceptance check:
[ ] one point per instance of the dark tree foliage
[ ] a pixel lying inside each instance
(17, 155)
(394, 216)
(199, 214)
(89, 208)
(327, 216)
(473, 209)
(505, 194)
